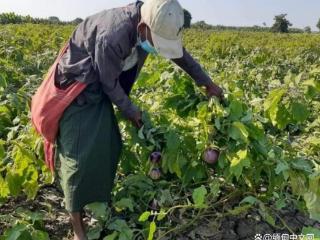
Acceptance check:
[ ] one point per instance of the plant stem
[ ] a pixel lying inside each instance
(178, 229)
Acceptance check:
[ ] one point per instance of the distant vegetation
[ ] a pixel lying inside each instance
(256, 28)
(281, 24)
(13, 18)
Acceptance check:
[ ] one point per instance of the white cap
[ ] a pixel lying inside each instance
(165, 18)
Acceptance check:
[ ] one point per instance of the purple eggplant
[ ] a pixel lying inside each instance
(211, 156)
(154, 205)
(155, 173)
(155, 157)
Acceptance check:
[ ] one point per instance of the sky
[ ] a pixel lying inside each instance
(301, 13)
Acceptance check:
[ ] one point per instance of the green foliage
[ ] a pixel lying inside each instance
(54, 19)
(281, 24)
(307, 29)
(198, 196)
(27, 226)
(13, 18)
(310, 230)
(202, 25)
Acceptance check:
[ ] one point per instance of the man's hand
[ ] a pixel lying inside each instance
(214, 90)
(136, 120)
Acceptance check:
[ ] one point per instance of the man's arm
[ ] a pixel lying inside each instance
(193, 68)
(108, 63)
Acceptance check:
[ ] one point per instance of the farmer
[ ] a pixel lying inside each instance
(107, 51)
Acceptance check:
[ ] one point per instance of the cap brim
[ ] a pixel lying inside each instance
(169, 49)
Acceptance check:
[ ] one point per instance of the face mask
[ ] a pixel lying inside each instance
(146, 45)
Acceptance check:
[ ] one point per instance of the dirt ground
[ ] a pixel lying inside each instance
(242, 227)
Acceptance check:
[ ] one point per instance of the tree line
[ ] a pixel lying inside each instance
(13, 18)
(281, 24)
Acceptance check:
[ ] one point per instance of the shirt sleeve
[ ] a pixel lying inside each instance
(108, 63)
(193, 68)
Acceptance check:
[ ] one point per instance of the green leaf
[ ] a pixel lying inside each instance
(140, 133)
(40, 235)
(250, 199)
(112, 236)
(280, 203)
(214, 188)
(94, 233)
(98, 209)
(144, 216)
(300, 112)
(172, 152)
(148, 78)
(122, 227)
(202, 110)
(162, 214)
(152, 230)
(314, 141)
(302, 164)
(238, 162)
(282, 117)
(312, 88)
(312, 197)
(31, 188)
(298, 182)
(239, 210)
(273, 99)
(178, 165)
(238, 131)
(311, 230)
(25, 235)
(271, 106)
(256, 131)
(199, 195)
(217, 123)
(2, 150)
(236, 110)
(14, 183)
(165, 197)
(15, 232)
(35, 216)
(282, 167)
(4, 188)
(264, 212)
(126, 235)
(125, 203)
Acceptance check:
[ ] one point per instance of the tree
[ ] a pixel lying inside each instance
(202, 25)
(187, 18)
(307, 29)
(11, 17)
(281, 24)
(54, 19)
(318, 24)
(77, 21)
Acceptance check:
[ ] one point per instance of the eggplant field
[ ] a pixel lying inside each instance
(243, 168)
